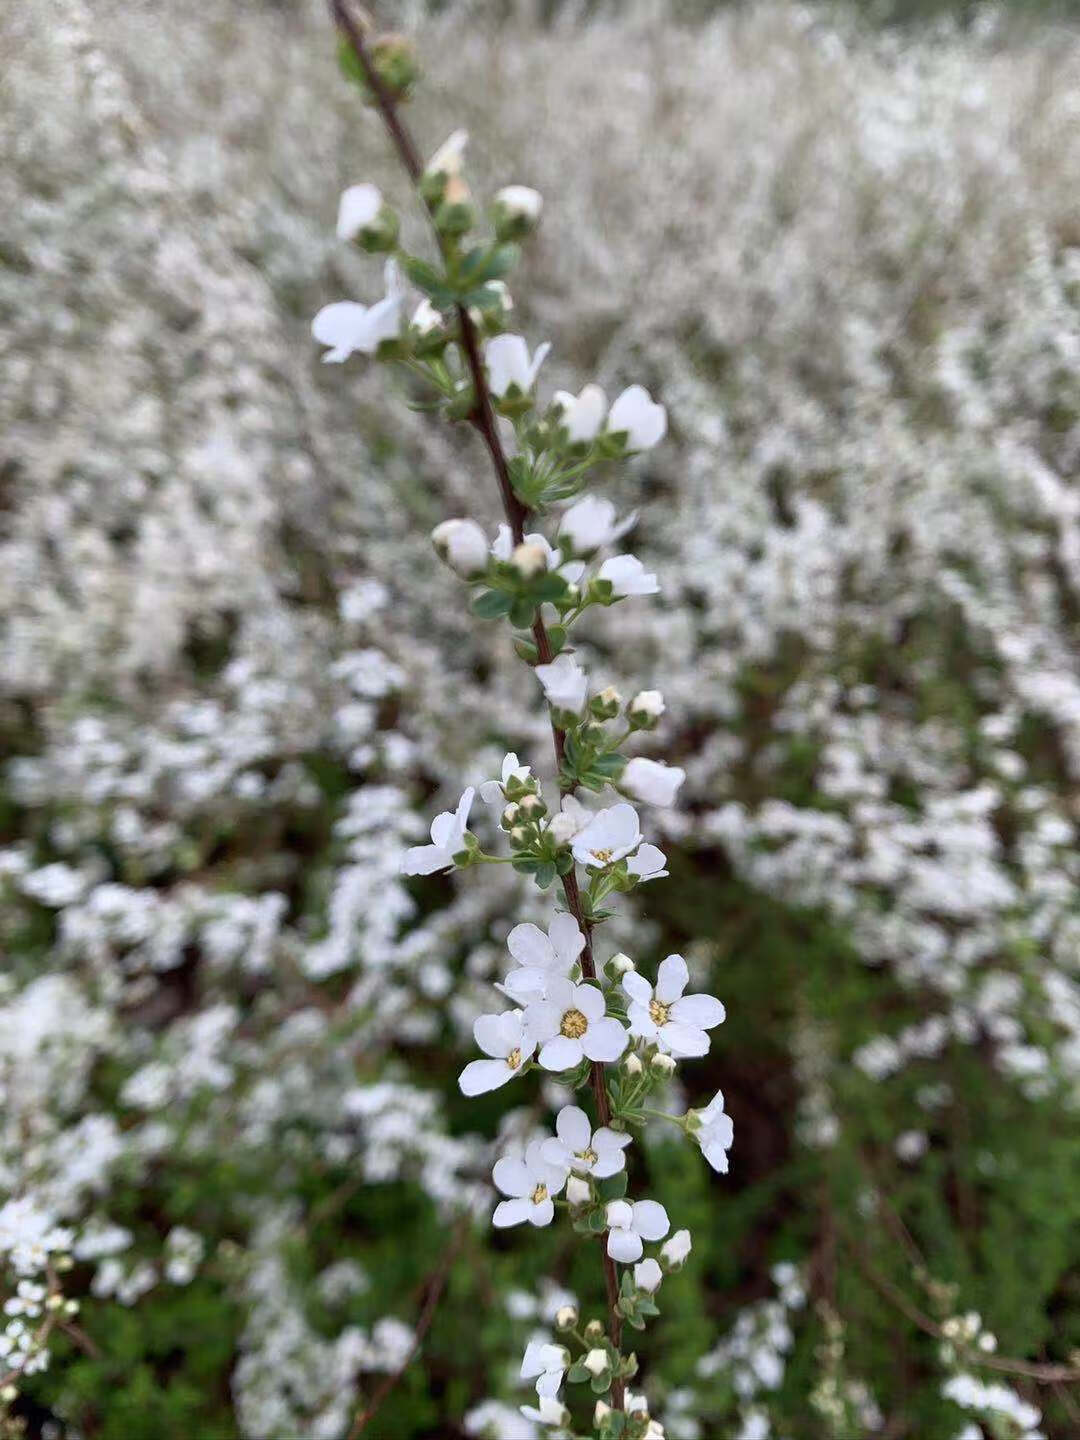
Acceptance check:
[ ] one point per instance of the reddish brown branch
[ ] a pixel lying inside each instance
(483, 419)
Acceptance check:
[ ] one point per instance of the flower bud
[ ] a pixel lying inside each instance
(597, 1362)
(463, 546)
(621, 964)
(577, 1191)
(645, 709)
(364, 217)
(443, 165)
(605, 706)
(519, 836)
(654, 1431)
(9, 1394)
(566, 1317)
(516, 211)
(395, 60)
(632, 1064)
(533, 807)
(662, 1064)
(509, 817)
(600, 1413)
(674, 1251)
(594, 1330)
(455, 216)
(529, 559)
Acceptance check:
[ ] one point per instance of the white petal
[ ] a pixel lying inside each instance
(425, 860)
(511, 1212)
(530, 946)
(684, 1040)
(589, 999)
(566, 939)
(543, 1213)
(543, 1019)
(339, 325)
(637, 987)
(560, 1053)
(650, 1219)
(605, 1040)
(358, 207)
(573, 1128)
(488, 1032)
(624, 1246)
(702, 1011)
(671, 979)
(512, 1176)
(525, 985)
(480, 1076)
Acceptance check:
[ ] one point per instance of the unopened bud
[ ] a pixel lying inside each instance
(516, 211)
(364, 216)
(606, 705)
(529, 559)
(509, 817)
(662, 1064)
(463, 546)
(8, 1394)
(594, 1330)
(533, 807)
(632, 1064)
(600, 1413)
(395, 60)
(621, 964)
(577, 1191)
(645, 709)
(597, 1362)
(519, 836)
(566, 1317)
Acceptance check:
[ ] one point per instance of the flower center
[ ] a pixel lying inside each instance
(658, 1012)
(539, 1195)
(514, 1059)
(603, 856)
(574, 1024)
(588, 1157)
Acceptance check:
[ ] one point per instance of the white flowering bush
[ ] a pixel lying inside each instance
(236, 688)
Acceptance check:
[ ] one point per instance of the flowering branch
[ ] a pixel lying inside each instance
(571, 1017)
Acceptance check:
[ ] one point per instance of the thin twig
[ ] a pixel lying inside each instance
(483, 420)
(434, 1286)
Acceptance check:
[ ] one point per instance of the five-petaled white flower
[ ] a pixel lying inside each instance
(591, 523)
(628, 576)
(570, 1025)
(588, 1152)
(447, 835)
(643, 420)
(491, 791)
(358, 208)
(648, 1275)
(714, 1132)
(349, 328)
(463, 545)
(565, 683)
(629, 1223)
(542, 958)
(647, 864)
(651, 782)
(503, 547)
(581, 415)
(506, 1039)
(508, 364)
(530, 1183)
(546, 1364)
(448, 159)
(676, 1022)
(608, 836)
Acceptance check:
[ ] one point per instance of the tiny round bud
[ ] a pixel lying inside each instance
(597, 1362)
(463, 546)
(519, 836)
(987, 1342)
(662, 1064)
(594, 1330)
(632, 1064)
(509, 817)
(529, 559)
(9, 1394)
(620, 964)
(516, 211)
(533, 807)
(577, 1191)
(645, 709)
(566, 1317)
(71, 1307)
(600, 1413)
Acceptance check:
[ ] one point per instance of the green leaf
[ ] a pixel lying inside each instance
(613, 1187)
(545, 874)
(557, 636)
(528, 652)
(521, 613)
(577, 1373)
(609, 765)
(492, 604)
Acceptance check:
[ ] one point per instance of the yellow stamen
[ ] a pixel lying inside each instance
(658, 1012)
(574, 1024)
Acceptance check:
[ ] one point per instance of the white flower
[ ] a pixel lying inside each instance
(520, 202)
(651, 782)
(591, 523)
(565, 684)
(570, 1025)
(548, 1411)
(597, 1362)
(530, 558)
(530, 1183)
(508, 363)
(358, 208)
(546, 1364)
(491, 791)
(648, 703)
(582, 415)
(631, 1223)
(676, 1022)
(714, 1132)
(463, 545)
(644, 422)
(628, 576)
(350, 328)
(505, 1038)
(448, 159)
(647, 1276)
(503, 549)
(608, 836)
(542, 958)
(677, 1249)
(447, 835)
(648, 863)
(577, 1146)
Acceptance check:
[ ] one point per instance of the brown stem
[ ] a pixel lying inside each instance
(483, 420)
